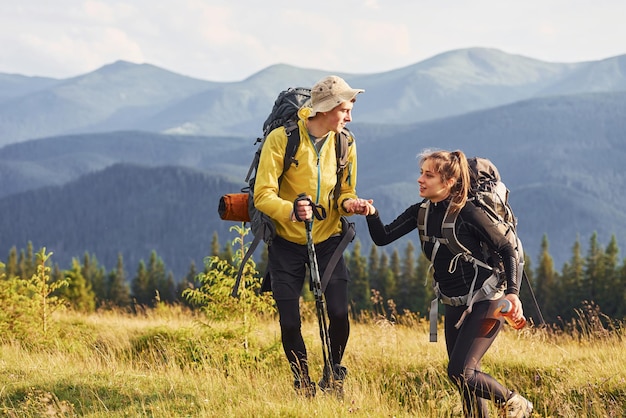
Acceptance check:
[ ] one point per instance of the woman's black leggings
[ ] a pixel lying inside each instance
(466, 347)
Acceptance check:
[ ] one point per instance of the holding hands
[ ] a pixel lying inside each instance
(303, 209)
(359, 206)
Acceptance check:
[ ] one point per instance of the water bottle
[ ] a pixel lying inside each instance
(504, 309)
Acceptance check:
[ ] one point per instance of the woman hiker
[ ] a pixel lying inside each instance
(470, 326)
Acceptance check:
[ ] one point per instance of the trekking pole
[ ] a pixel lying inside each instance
(320, 302)
(532, 293)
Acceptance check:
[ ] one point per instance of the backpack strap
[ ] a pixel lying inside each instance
(448, 231)
(293, 142)
(422, 216)
(343, 140)
(244, 261)
(347, 235)
(433, 312)
(422, 221)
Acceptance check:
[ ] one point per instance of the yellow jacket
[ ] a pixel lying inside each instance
(314, 175)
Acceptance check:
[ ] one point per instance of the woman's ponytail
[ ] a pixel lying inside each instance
(460, 168)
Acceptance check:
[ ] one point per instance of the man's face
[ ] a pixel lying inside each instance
(339, 116)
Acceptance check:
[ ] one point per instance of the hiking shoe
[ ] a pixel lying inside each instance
(304, 388)
(334, 384)
(518, 407)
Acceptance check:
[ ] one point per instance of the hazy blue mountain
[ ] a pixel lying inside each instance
(453, 83)
(596, 76)
(112, 97)
(124, 96)
(231, 108)
(15, 85)
(58, 160)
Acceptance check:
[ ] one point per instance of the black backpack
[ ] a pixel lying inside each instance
(284, 113)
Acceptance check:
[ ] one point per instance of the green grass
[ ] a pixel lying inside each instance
(168, 363)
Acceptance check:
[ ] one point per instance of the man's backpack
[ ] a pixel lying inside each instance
(284, 113)
(488, 192)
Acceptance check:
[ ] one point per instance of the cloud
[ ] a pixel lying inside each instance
(225, 40)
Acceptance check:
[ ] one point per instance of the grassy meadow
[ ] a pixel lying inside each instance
(169, 362)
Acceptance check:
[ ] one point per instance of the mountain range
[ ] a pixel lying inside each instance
(131, 157)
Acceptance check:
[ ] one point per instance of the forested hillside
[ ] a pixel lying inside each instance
(124, 209)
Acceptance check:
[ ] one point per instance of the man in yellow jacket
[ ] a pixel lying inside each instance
(314, 173)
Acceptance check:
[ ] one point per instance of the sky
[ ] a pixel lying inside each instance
(221, 40)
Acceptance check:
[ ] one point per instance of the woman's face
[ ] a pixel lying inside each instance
(431, 185)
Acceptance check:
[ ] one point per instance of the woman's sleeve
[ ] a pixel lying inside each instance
(385, 234)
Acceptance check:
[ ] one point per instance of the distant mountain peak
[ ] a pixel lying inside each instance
(120, 65)
(125, 95)
(123, 66)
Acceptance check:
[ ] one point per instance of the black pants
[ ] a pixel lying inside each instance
(466, 347)
(287, 268)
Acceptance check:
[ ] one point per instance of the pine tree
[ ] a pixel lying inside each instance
(78, 292)
(609, 299)
(406, 280)
(424, 281)
(571, 283)
(191, 278)
(118, 292)
(26, 263)
(95, 277)
(594, 270)
(190, 281)
(528, 288)
(373, 269)
(142, 293)
(383, 269)
(393, 287)
(388, 285)
(158, 280)
(11, 268)
(57, 274)
(227, 254)
(359, 288)
(215, 245)
(168, 294)
(621, 291)
(547, 282)
(41, 289)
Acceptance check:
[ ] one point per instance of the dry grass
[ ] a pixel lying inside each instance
(168, 363)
